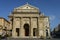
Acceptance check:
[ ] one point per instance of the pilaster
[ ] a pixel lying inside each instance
(38, 30)
(13, 30)
(21, 28)
(49, 33)
(31, 28)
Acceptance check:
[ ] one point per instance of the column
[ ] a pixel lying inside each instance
(13, 30)
(21, 28)
(31, 29)
(48, 32)
(38, 29)
(44, 33)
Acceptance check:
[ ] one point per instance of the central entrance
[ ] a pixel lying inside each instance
(26, 28)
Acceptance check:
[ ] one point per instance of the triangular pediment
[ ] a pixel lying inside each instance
(27, 6)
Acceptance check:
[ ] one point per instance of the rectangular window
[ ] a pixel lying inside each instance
(34, 31)
(17, 30)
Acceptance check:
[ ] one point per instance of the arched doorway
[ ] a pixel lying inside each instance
(26, 28)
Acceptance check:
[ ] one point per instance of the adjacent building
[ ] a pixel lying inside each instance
(4, 26)
(56, 32)
(27, 21)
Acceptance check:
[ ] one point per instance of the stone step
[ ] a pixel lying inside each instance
(28, 39)
(24, 39)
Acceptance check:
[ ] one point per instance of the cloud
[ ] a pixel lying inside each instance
(52, 17)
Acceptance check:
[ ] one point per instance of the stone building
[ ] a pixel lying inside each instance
(4, 26)
(28, 22)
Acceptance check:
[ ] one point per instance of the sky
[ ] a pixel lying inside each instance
(50, 8)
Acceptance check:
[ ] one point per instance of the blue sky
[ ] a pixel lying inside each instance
(50, 8)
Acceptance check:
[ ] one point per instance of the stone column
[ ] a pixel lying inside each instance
(21, 28)
(13, 30)
(38, 29)
(44, 33)
(49, 28)
(31, 29)
(48, 32)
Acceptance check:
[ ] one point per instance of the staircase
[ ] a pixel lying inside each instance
(28, 39)
(24, 39)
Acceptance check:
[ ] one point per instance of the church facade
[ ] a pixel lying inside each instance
(28, 22)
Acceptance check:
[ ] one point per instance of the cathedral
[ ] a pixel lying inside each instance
(27, 21)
